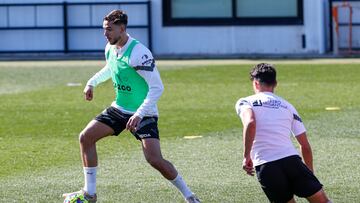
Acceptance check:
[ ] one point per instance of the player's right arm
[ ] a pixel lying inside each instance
(249, 129)
(247, 115)
(88, 92)
(101, 76)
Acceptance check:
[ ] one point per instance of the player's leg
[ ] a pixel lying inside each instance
(109, 122)
(305, 182)
(88, 137)
(292, 201)
(93, 132)
(318, 197)
(148, 134)
(274, 182)
(152, 153)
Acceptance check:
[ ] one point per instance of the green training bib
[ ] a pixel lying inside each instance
(131, 89)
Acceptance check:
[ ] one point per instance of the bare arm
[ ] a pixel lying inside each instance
(249, 129)
(306, 151)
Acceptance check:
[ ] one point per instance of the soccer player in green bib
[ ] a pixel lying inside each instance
(138, 87)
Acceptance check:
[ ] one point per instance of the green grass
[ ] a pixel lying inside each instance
(40, 118)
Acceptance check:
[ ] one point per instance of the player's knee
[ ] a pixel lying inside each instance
(155, 162)
(84, 139)
(323, 200)
(319, 197)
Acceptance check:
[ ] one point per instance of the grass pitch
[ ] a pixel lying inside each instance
(41, 117)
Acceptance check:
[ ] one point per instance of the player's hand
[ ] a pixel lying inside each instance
(248, 166)
(133, 123)
(89, 92)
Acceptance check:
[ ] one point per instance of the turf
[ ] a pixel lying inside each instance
(41, 117)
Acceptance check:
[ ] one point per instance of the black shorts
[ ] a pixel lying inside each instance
(117, 120)
(286, 177)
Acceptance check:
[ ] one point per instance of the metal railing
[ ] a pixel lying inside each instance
(347, 25)
(65, 28)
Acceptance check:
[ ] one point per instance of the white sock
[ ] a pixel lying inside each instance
(181, 186)
(90, 180)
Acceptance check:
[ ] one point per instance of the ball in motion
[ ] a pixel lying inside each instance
(75, 198)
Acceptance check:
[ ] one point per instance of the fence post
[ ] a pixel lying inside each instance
(149, 24)
(65, 24)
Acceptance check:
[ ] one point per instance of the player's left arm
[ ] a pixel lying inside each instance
(305, 149)
(144, 63)
(298, 129)
(145, 66)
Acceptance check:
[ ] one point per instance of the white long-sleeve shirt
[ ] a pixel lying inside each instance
(142, 58)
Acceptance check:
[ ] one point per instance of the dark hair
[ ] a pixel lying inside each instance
(117, 17)
(264, 73)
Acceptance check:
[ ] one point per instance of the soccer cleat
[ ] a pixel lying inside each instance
(192, 199)
(89, 198)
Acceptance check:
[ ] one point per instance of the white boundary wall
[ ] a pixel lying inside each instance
(216, 40)
(234, 40)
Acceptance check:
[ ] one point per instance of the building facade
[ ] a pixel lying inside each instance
(173, 28)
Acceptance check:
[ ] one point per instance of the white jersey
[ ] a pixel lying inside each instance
(276, 119)
(141, 58)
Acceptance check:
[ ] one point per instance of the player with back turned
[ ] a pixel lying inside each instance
(268, 120)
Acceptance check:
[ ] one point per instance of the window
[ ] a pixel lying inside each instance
(274, 8)
(232, 12)
(201, 9)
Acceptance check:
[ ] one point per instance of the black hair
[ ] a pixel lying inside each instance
(264, 73)
(117, 17)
